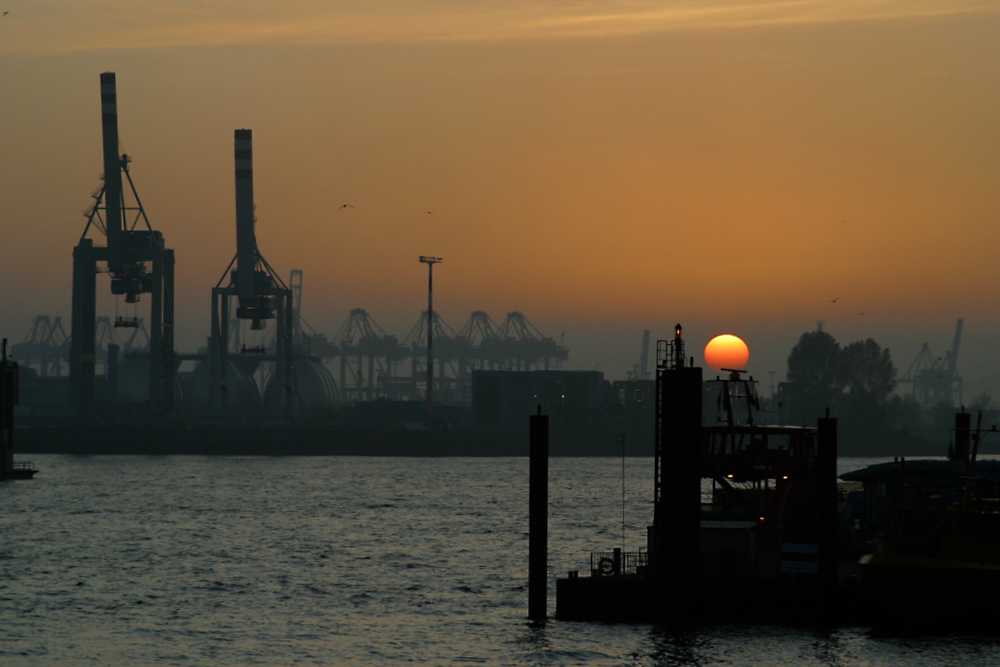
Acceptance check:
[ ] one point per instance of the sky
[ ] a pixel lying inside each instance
(602, 167)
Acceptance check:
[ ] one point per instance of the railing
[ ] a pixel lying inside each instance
(618, 563)
(23, 465)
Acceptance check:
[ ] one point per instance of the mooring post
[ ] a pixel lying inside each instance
(963, 428)
(828, 518)
(677, 503)
(538, 516)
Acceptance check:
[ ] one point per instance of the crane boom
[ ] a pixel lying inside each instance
(953, 356)
(112, 172)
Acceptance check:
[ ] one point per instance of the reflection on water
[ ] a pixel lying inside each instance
(349, 561)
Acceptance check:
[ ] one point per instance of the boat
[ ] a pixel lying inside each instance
(932, 531)
(742, 511)
(937, 557)
(19, 470)
(10, 469)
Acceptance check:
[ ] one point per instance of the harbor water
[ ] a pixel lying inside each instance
(126, 560)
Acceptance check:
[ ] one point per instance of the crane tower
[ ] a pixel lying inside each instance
(260, 293)
(136, 259)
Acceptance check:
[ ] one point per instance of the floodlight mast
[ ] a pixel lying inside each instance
(430, 262)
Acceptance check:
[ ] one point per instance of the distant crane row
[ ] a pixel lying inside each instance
(138, 262)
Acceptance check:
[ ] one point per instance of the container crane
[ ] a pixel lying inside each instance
(951, 361)
(451, 354)
(526, 346)
(47, 344)
(935, 379)
(137, 260)
(260, 293)
(641, 369)
(360, 337)
(483, 334)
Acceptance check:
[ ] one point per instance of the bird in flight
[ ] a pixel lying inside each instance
(834, 300)
(343, 206)
(5, 13)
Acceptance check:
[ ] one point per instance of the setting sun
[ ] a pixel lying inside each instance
(727, 352)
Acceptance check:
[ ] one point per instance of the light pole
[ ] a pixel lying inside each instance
(430, 262)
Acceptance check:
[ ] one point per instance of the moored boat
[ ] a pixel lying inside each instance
(10, 469)
(933, 533)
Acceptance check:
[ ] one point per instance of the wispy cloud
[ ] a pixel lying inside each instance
(48, 26)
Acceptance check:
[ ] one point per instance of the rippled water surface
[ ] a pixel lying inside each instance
(348, 561)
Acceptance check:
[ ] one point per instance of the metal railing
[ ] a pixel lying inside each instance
(618, 563)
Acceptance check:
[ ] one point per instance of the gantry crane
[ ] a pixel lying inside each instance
(46, 345)
(261, 295)
(935, 380)
(641, 369)
(483, 335)
(137, 261)
(303, 333)
(452, 352)
(360, 337)
(525, 346)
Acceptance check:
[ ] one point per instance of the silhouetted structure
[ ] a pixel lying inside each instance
(46, 346)
(538, 516)
(295, 285)
(501, 398)
(451, 354)
(138, 262)
(429, 390)
(931, 532)
(261, 295)
(8, 399)
(768, 536)
(641, 370)
(524, 347)
(369, 358)
(935, 380)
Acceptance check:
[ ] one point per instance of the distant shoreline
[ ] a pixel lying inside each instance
(296, 440)
(154, 438)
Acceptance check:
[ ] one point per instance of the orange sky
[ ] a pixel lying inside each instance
(731, 166)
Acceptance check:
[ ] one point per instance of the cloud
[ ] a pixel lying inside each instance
(53, 26)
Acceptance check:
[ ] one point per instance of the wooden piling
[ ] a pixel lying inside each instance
(538, 517)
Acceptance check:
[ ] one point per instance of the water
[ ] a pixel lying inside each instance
(348, 561)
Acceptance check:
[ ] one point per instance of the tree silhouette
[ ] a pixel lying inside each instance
(815, 371)
(868, 371)
(984, 402)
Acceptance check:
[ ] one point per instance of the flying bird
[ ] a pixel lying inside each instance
(343, 206)
(834, 300)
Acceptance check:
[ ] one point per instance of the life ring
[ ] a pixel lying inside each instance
(606, 566)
